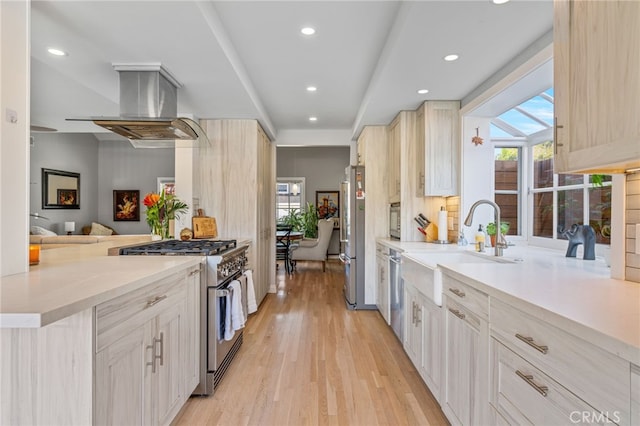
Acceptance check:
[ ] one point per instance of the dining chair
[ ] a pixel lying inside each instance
(283, 246)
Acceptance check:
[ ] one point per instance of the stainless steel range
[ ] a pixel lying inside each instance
(224, 262)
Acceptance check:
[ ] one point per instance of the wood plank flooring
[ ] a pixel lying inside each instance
(307, 360)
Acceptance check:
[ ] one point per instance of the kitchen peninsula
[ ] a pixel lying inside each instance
(60, 326)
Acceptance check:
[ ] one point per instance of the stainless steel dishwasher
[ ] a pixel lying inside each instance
(396, 296)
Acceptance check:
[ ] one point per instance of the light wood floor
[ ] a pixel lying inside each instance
(307, 360)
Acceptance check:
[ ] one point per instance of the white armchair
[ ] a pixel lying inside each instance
(315, 249)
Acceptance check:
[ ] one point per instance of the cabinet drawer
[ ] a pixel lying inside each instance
(596, 376)
(467, 296)
(119, 316)
(525, 395)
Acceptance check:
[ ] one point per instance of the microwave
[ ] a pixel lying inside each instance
(394, 221)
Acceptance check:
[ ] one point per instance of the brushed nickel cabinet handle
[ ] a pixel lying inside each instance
(413, 313)
(418, 314)
(153, 356)
(161, 341)
(195, 271)
(156, 300)
(457, 292)
(529, 341)
(457, 313)
(529, 379)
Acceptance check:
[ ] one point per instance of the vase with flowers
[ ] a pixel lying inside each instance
(162, 208)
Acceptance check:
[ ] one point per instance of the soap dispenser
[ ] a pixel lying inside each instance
(480, 239)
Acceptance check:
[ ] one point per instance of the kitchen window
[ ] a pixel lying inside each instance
(289, 196)
(537, 202)
(559, 201)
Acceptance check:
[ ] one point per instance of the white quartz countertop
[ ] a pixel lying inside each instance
(69, 280)
(571, 293)
(410, 246)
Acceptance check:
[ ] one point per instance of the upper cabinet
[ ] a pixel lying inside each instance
(597, 86)
(393, 154)
(437, 156)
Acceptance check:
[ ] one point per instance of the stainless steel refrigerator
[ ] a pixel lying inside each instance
(352, 217)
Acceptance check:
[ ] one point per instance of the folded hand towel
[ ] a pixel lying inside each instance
(228, 330)
(237, 314)
(251, 293)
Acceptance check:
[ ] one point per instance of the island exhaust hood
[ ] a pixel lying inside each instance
(148, 107)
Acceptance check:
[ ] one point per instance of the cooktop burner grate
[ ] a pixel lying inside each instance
(178, 247)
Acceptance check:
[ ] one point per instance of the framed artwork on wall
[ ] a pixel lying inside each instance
(328, 204)
(126, 205)
(67, 197)
(168, 184)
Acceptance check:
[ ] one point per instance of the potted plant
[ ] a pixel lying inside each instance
(310, 221)
(305, 221)
(491, 230)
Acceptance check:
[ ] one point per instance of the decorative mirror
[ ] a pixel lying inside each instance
(60, 190)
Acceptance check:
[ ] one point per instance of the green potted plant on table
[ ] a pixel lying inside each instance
(491, 230)
(305, 221)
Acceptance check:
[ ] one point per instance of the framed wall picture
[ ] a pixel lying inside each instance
(67, 197)
(328, 204)
(168, 184)
(126, 205)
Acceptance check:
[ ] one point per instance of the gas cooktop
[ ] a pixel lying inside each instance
(184, 248)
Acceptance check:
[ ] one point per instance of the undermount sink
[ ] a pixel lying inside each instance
(421, 268)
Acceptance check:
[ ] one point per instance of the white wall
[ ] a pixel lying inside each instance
(14, 140)
(477, 174)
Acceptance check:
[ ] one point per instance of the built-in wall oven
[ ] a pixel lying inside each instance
(224, 262)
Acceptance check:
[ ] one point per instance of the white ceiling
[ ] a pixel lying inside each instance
(247, 59)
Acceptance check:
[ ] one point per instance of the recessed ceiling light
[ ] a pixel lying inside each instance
(311, 88)
(450, 58)
(313, 118)
(423, 91)
(56, 52)
(500, 1)
(308, 31)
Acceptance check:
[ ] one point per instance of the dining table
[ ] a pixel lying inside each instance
(288, 238)
(293, 235)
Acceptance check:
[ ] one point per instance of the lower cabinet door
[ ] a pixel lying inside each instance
(170, 366)
(432, 331)
(123, 390)
(462, 395)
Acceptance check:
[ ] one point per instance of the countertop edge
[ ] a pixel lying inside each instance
(42, 319)
(607, 342)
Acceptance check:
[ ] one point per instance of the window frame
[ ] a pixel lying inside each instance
(301, 181)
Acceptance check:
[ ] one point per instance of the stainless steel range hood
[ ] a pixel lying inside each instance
(148, 107)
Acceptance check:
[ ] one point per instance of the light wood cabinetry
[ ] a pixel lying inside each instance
(596, 85)
(393, 155)
(382, 293)
(524, 394)
(466, 356)
(596, 379)
(238, 189)
(191, 338)
(423, 325)
(635, 394)
(143, 368)
(372, 146)
(437, 152)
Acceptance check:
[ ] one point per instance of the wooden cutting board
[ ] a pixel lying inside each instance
(204, 227)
